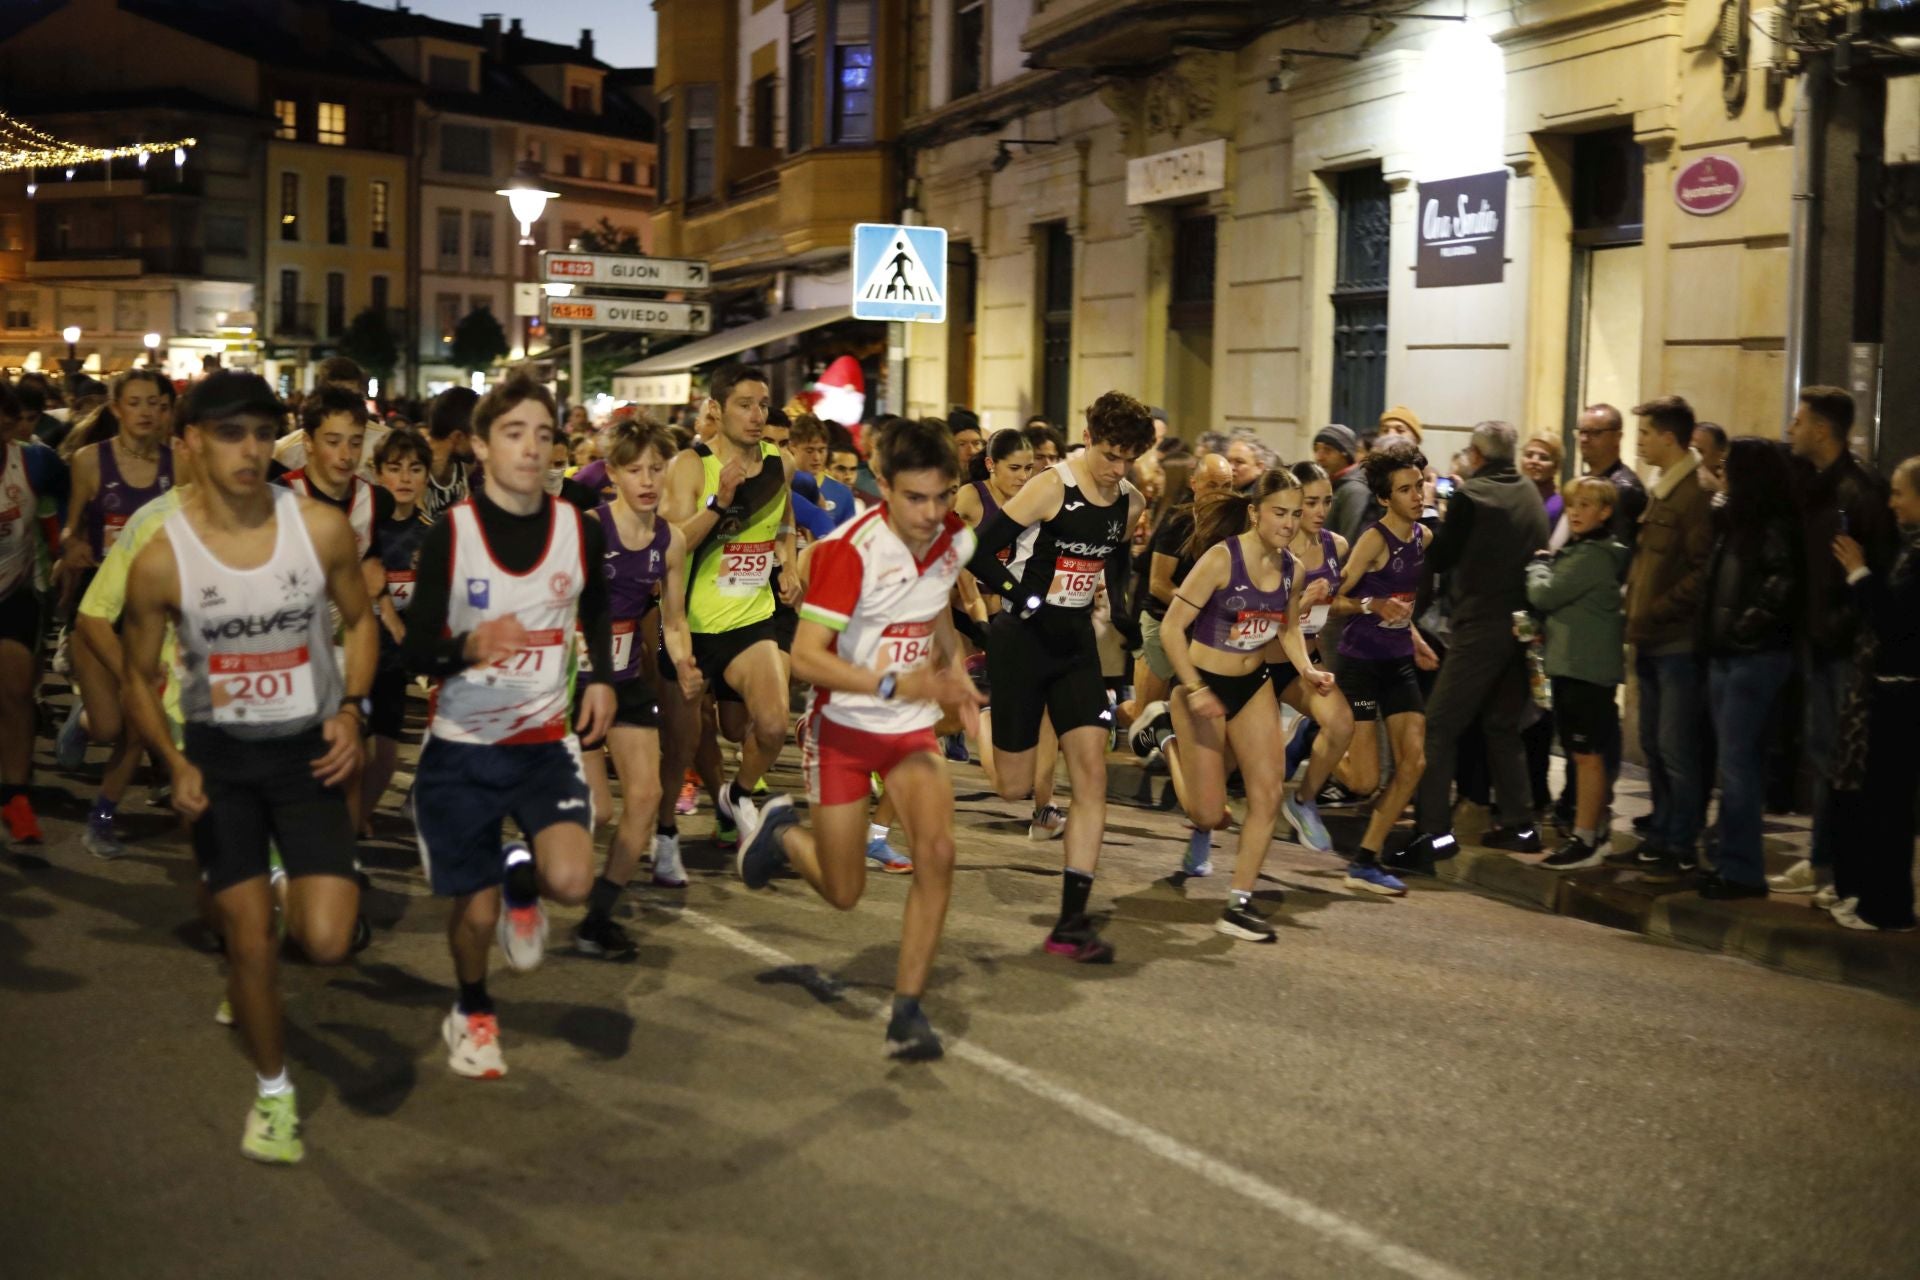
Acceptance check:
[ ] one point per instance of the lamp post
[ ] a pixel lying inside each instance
(527, 197)
(152, 341)
(71, 365)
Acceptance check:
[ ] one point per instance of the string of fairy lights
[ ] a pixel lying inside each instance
(24, 147)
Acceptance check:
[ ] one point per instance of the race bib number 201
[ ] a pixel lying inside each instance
(745, 568)
(261, 688)
(1074, 581)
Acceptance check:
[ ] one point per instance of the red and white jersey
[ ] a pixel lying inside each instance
(19, 509)
(525, 696)
(359, 505)
(867, 586)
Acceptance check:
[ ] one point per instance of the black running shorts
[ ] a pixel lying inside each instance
(262, 791)
(1235, 692)
(714, 652)
(463, 793)
(1044, 666)
(389, 698)
(1380, 688)
(20, 618)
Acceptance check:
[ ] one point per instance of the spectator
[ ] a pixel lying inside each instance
(1494, 525)
(1752, 596)
(1212, 442)
(1710, 442)
(1873, 869)
(1049, 444)
(1578, 588)
(1664, 589)
(1337, 450)
(1842, 497)
(1598, 434)
(1250, 459)
(35, 395)
(1398, 423)
(1540, 460)
(1159, 417)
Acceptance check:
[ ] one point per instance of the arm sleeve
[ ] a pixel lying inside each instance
(997, 534)
(596, 605)
(833, 585)
(1119, 598)
(428, 650)
(1450, 541)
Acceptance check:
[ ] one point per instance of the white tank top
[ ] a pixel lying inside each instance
(256, 646)
(359, 506)
(19, 508)
(526, 696)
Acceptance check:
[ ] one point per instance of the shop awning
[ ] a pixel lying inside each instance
(718, 346)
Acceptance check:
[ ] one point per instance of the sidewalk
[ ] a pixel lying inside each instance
(1783, 931)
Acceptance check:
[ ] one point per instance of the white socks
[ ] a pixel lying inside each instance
(277, 1087)
(876, 831)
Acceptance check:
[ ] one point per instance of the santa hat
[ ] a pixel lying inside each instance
(841, 393)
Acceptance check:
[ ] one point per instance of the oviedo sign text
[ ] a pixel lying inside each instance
(1462, 231)
(1708, 185)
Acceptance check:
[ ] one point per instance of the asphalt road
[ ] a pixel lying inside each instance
(1437, 1086)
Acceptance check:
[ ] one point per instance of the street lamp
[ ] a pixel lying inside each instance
(526, 197)
(153, 348)
(72, 363)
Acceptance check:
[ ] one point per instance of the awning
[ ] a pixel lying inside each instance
(718, 346)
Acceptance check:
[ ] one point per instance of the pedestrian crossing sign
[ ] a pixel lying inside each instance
(899, 273)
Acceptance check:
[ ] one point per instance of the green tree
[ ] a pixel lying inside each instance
(478, 341)
(372, 345)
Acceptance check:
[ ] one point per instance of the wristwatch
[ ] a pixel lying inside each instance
(362, 706)
(713, 503)
(1366, 605)
(888, 683)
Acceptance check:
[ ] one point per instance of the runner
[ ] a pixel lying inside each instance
(334, 420)
(1069, 530)
(29, 472)
(245, 573)
(877, 644)
(1245, 594)
(403, 463)
(729, 499)
(1381, 654)
(645, 562)
(503, 580)
(449, 435)
(111, 481)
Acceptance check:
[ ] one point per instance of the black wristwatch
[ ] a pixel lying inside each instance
(362, 706)
(888, 683)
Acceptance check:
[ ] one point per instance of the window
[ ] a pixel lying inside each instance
(969, 47)
(336, 303)
(629, 171)
(21, 304)
(700, 111)
(446, 315)
(377, 295)
(1360, 297)
(380, 213)
(570, 163)
(1056, 321)
(466, 148)
(336, 209)
(803, 73)
(332, 122)
(379, 127)
(853, 71)
(289, 206)
(580, 98)
(448, 240)
(224, 233)
(448, 73)
(761, 122)
(480, 237)
(11, 238)
(286, 119)
(289, 301)
(665, 150)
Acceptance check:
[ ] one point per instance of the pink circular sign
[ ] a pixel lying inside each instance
(1708, 185)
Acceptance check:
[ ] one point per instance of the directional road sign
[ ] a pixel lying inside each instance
(899, 273)
(628, 270)
(629, 313)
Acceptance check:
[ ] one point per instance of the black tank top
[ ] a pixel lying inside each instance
(1063, 560)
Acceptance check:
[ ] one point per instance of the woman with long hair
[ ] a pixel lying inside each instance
(1754, 587)
(1246, 593)
(1326, 721)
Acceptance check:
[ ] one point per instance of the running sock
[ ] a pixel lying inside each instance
(1075, 888)
(474, 998)
(1239, 899)
(906, 1006)
(668, 826)
(601, 897)
(1587, 835)
(522, 882)
(876, 831)
(276, 1087)
(103, 811)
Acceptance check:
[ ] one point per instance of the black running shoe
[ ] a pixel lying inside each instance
(1572, 856)
(1335, 796)
(1078, 941)
(761, 855)
(1513, 839)
(362, 934)
(603, 939)
(1245, 924)
(910, 1038)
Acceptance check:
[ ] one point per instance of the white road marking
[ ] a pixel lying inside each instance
(1305, 1213)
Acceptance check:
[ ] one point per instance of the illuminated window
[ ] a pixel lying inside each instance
(332, 121)
(286, 119)
(853, 71)
(289, 206)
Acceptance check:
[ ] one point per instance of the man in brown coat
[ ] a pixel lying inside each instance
(1664, 589)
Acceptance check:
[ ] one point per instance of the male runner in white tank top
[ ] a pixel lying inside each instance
(246, 571)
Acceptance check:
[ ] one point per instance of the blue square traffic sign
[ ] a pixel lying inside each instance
(899, 273)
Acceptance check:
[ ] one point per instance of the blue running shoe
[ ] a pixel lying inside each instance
(70, 748)
(888, 858)
(1199, 859)
(761, 856)
(1371, 877)
(1300, 745)
(956, 748)
(1304, 817)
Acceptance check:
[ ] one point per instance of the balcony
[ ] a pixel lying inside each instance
(1121, 34)
(801, 209)
(295, 319)
(111, 263)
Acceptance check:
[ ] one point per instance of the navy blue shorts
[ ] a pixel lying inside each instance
(464, 792)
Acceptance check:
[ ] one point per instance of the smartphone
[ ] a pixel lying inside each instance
(1443, 486)
(1843, 522)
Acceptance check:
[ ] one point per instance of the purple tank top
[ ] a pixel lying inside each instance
(115, 503)
(633, 581)
(989, 508)
(1366, 636)
(1240, 617)
(1329, 569)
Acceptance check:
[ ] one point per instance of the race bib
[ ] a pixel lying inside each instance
(1254, 628)
(623, 633)
(904, 646)
(1316, 618)
(400, 587)
(745, 568)
(1074, 581)
(261, 688)
(1406, 599)
(110, 531)
(539, 666)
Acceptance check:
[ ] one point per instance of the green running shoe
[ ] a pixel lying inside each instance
(273, 1131)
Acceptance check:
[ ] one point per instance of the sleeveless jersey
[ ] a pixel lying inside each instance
(525, 696)
(256, 647)
(633, 584)
(358, 509)
(730, 574)
(1329, 572)
(110, 509)
(1365, 635)
(1064, 560)
(19, 510)
(397, 543)
(1240, 617)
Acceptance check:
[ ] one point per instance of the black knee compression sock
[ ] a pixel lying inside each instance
(601, 897)
(474, 997)
(522, 884)
(1075, 888)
